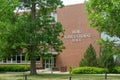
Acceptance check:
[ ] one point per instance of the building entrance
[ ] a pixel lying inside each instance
(49, 63)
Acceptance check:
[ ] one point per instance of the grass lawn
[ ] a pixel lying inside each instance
(19, 76)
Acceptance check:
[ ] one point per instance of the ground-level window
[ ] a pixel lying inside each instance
(17, 59)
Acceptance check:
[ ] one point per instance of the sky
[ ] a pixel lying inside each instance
(105, 37)
(66, 2)
(71, 2)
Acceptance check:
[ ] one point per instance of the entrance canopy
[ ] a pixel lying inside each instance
(53, 53)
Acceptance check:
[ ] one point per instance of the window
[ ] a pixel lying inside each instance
(14, 59)
(54, 14)
(17, 59)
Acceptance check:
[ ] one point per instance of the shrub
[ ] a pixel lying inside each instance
(106, 61)
(89, 70)
(108, 50)
(89, 57)
(115, 70)
(14, 68)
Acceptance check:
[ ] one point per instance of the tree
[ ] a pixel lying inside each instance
(6, 25)
(34, 31)
(104, 15)
(108, 50)
(89, 57)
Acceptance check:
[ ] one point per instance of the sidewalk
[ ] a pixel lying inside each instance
(52, 72)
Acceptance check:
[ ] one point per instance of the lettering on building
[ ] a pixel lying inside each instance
(77, 36)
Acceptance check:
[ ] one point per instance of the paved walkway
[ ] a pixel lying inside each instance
(59, 72)
(52, 72)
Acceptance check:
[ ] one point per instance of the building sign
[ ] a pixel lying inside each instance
(77, 36)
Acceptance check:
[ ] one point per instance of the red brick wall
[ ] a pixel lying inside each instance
(74, 18)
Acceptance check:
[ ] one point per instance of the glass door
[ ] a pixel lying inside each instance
(49, 63)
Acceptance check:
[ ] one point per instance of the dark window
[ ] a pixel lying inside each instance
(18, 59)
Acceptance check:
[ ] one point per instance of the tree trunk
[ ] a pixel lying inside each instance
(33, 60)
(33, 10)
(33, 66)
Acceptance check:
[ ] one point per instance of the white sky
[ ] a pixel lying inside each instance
(105, 37)
(70, 2)
(65, 2)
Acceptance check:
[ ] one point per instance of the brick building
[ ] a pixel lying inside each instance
(77, 37)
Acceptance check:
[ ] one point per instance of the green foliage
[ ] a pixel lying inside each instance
(104, 15)
(95, 70)
(70, 70)
(89, 70)
(26, 57)
(115, 70)
(6, 24)
(89, 57)
(106, 59)
(108, 46)
(28, 32)
(14, 68)
(7, 11)
(37, 31)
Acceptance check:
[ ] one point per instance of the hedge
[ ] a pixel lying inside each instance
(89, 70)
(14, 68)
(115, 70)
